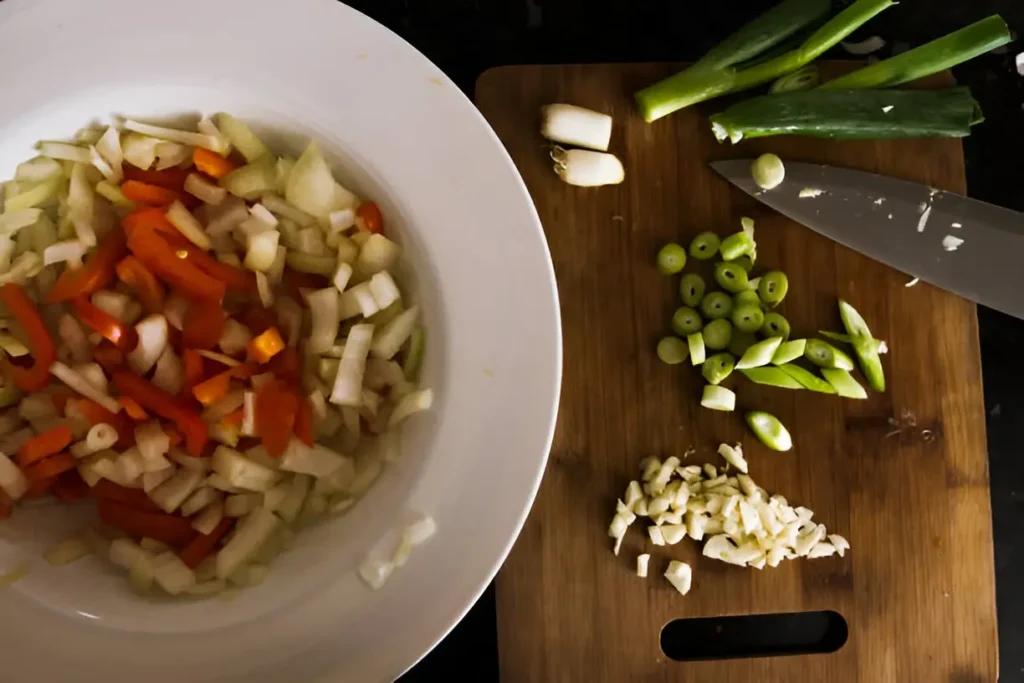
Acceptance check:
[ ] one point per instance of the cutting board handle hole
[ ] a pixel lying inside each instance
(756, 635)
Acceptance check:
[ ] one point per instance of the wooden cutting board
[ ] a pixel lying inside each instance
(903, 475)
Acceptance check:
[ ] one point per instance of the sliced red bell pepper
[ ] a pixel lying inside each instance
(97, 273)
(6, 505)
(158, 401)
(195, 371)
(174, 267)
(149, 219)
(170, 178)
(258, 320)
(132, 408)
(70, 486)
(44, 351)
(152, 195)
(203, 324)
(46, 444)
(50, 468)
(276, 409)
(372, 219)
(108, 356)
(123, 336)
(202, 545)
(131, 272)
(235, 279)
(132, 498)
(170, 529)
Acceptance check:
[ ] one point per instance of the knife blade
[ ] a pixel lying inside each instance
(954, 242)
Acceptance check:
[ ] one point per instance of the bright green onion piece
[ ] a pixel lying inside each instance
(745, 298)
(736, 245)
(775, 325)
(768, 171)
(671, 259)
(880, 344)
(696, 344)
(863, 345)
(825, 355)
(844, 383)
(759, 354)
(716, 305)
(789, 351)
(771, 432)
(938, 55)
(807, 378)
(704, 246)
(804, 78)
(717, 334)
(748, 317)
(686, 321)
(771, 376)
(731, 277)
(718, 398)
(718, 367)
(752, 285)
(773, 287)
(741, 341)
(691, 289)
(744, 262)
(672, 350)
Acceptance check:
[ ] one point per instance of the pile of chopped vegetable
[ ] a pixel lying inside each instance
(778, 48)
(205, 339)
(717, 331)
(737, 520)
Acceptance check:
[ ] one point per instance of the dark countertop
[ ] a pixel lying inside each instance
(466, 37)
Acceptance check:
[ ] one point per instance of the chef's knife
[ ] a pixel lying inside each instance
(954, 242)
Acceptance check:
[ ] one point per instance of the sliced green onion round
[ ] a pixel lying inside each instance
(704, 246)
(718, 367)
(759, 354)
(771, 376)
(769, 430)
(825, 355)
(672, 350)
(697, 352)
(718, 398)
(686, 321)
(807, 378)
(716, 305)
(775, 326)
(789, 351)
(844, 383)
(773, 287)
(744, 298)
(744, 262)
(671, 259)
(717, 334)
(736, 245)
(768, 171)
(863, 345)
(748, 317)
(741, 341)
(691, 289)
(730, 277)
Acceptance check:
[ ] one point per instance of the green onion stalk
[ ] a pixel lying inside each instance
(699, 84)
(938, 55)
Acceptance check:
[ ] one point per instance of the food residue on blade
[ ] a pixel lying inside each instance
(956, 225)
(950, 242)
(923, 220)
(879, 201)
(887, 109)
(913, 282)
(810, 193)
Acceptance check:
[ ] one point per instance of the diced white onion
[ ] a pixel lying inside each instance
(348, 385)
(171, 154)
(70, 251)
(173, 492)
(242, 137)
(201, 188)
(250, 535)
(184, 137)
(234, 338)
(376, 572)
(642, 561)
(100, 437)
(172, 574)
(64, 151)
(264, 290)
(384, 290)
(109, 147)
(79, 384)
(282, 208)
(153, 335)
(169, 374)
(392, 336)
(208, 519)
(323, 307)
(262, 250)
(377, 254)
(242, 472)
(139, 150)
(188, 225)
(311, 185)
(263, 215)
(67, 551)
(12, 480)
(175, 309)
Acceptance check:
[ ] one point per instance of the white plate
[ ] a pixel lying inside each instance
(398, 131)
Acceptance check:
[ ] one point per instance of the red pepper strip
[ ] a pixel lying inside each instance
(201, 546)
(303, 420)
(110, 328)
(6, 505)
(203, 325)
(235, 417)
(194, 370)
(96, 414)
(132, 498)
(235, 279)
(50, 468)
(276, 408)
(158, 401)
(164, 262)
(38, 487)
(132, 408)
(286, 365)
(149, 219)
(169, 529)
(44, 445)
(173, 435)
(70, 486)
(131, 272)
(44, 351)
(171, 178)
(97, 273)
(60, 400)
(110, 358)
(258, 320)
(372, 220)
(153, 195)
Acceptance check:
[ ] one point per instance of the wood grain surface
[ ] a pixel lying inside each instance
(917, 588)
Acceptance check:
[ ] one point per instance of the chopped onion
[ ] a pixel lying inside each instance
(172, 574)
(282, 208)
(100, 437)
(242, 137)
(311, 185)
(111, 173)
(12, 347)
(109, 147)
(348, 251)
(361, 298)
(323, 307)
(184, 137)
(348, 385)
(175, 309)
(289, 314)
(262, 250)
(242, 472)
(153, 334)
(72, 335)
(249, 414)
(227, 404)
(64, 151)
(70, 251)
(734, 456)
(12, 481)
(384, 290)
(197, 186)
(587, 168)
(12, 221)
(67, 551)
(951, 242)
(234, 338)
(173, 492)
(113, 303)
(171, 154)
(376, 572)
(377, 254)
(410, 404)
(264, 290)
(228, 215)
(318, 461)
(187, 225)
(139, 150)
(37, 169)
(250, 535)
(642, 561)
(79, 384)
(37, 194)
(341, 276)
(249, 182)
(311, 241)
(263, 215)
(310, 263)
(208, 519)
(576, 126)
(169, 374)
(94, 375)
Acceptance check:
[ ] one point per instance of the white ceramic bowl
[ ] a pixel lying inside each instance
(398, 131)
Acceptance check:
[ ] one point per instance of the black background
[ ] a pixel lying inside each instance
(466, 37)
